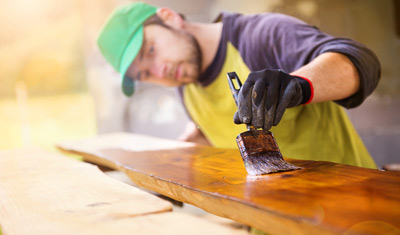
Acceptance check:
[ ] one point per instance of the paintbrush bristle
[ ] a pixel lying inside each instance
(265, 163)
(261, 154)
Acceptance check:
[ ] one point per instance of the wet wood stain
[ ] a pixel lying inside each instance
(322, 197)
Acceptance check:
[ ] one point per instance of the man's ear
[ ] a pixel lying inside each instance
(170, 18)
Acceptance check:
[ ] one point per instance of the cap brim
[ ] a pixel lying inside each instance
(133, 48)
(128, 86)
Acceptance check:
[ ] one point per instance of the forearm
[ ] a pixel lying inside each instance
(333, 75)
(193, 134)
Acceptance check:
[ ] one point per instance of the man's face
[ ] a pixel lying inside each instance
(169, 57)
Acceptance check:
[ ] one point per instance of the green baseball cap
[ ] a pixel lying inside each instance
(121, 38)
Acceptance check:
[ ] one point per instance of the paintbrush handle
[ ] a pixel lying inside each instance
(232, 76)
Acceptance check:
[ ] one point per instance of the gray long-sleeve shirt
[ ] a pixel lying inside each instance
(278, 41)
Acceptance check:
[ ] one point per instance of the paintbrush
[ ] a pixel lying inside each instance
(259, 150)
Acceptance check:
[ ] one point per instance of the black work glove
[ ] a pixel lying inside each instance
(267, 93)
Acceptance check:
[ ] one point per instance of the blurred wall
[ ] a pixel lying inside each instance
(157, 111)
(43, 91)
(41, 45)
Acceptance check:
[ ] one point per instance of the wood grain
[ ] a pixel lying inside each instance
(47, 193)
(321, 198)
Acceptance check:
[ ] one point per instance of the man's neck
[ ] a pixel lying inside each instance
(208, 37)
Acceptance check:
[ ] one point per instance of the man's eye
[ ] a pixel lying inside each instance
(151, 50)
(147, 73)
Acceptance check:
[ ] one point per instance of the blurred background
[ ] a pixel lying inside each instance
(55, 85)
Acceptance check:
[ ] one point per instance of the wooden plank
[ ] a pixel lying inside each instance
(322, 198)
(47, 193)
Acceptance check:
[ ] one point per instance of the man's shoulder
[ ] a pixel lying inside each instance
(240, 28)
(267, 17)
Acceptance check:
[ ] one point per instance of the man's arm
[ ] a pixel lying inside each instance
(333, 75)
(323, 68)
(193, 134)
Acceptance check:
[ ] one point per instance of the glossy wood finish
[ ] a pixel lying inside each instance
(321, 198)
(47, 193)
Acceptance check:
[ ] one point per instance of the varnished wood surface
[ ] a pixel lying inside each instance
(48, 193)
(322, 197)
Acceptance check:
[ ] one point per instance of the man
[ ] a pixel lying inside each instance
(295, 76)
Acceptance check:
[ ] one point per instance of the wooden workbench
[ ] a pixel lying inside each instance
(47, 193)
(321, 198)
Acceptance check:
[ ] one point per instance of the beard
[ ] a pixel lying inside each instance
(194, 56)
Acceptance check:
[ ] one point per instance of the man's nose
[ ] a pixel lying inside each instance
(157, 70)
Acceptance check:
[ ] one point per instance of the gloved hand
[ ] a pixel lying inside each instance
(267, 93)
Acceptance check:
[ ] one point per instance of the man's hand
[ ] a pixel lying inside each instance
(266, 94)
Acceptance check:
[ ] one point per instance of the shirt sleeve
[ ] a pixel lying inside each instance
(367, 66)
(278, 41)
